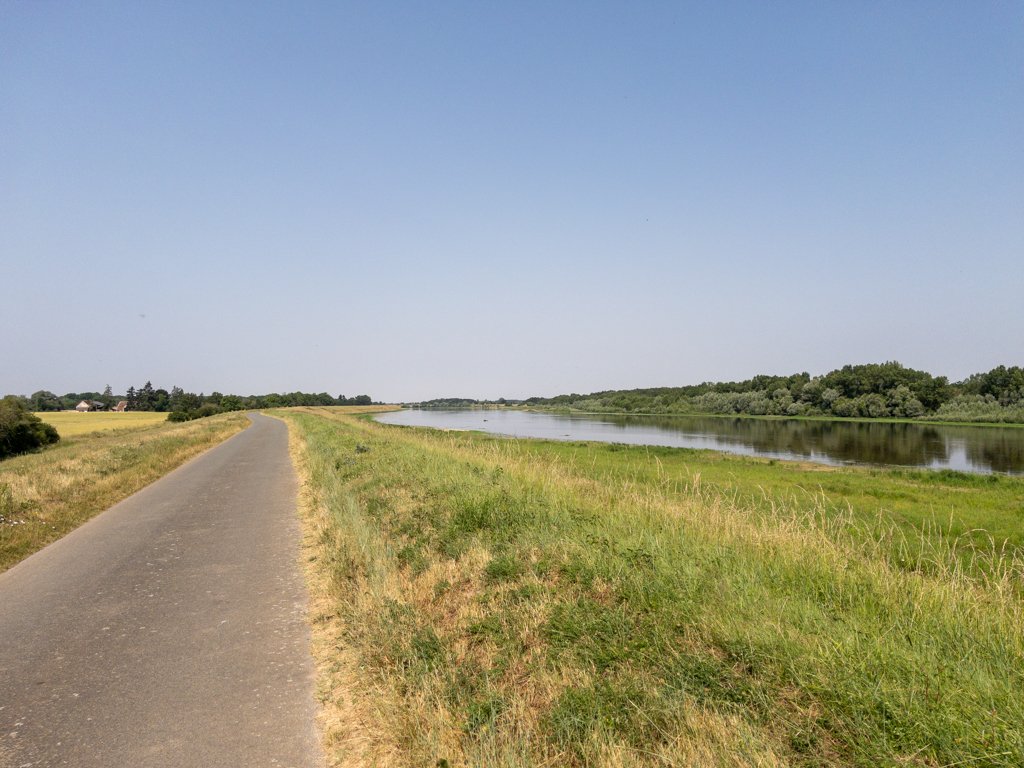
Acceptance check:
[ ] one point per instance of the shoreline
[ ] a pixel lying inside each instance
(690, 414)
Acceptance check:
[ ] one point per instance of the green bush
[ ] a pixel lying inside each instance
(981, 408)
(21, 430)
(208, 409)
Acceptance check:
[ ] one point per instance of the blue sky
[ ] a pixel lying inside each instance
(482, 199)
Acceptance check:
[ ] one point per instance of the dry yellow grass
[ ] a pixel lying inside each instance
(352, 732)
(74, 424)
(45, 495)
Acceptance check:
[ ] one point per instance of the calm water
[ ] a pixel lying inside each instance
(969, 449)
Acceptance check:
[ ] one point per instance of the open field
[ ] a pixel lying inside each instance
(512, 603)
(73, 424)
(45, 495)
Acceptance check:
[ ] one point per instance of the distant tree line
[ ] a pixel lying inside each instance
(462, 402)
(879, 390)
(185, 405)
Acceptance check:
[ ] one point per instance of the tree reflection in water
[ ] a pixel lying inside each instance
(910, 445)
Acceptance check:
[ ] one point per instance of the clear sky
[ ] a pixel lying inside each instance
(488, 199)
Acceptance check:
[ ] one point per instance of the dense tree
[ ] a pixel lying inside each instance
(853, 381)
(20, 429)
(903, 404)
(178, 401)
(144, 397)
(875, 390)
(1004, 385)
(231, 403)
(44, 401)
(185, 406)
(175, 399)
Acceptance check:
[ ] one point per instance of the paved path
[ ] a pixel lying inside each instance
(170, 630)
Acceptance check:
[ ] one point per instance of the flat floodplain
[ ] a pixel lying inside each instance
(73, 423)
(525, 602)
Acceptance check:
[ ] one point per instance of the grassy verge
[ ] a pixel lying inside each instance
(45, 495)
(489, 602)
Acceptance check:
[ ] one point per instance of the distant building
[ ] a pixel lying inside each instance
(89, 405)
(121, 407)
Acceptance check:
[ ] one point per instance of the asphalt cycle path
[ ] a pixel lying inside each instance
(170, 630)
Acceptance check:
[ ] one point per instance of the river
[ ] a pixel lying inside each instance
(967, 449)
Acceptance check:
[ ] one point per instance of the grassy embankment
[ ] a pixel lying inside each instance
(101, 459)
(479, 601)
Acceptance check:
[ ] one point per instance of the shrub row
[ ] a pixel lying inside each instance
(207, 409)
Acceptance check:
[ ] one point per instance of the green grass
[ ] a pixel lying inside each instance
(45, 495)
(493, 602)
(975, 513)
(978, 515)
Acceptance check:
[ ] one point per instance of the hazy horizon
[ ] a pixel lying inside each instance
(454, 395)
(505, 201)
